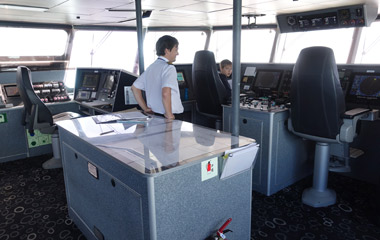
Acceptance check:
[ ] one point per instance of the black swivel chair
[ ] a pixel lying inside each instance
(38, 116)
(209, 90)
(318, 114)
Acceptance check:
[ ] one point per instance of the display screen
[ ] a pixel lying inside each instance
(365, 86)
(180, 77)
(109, 82)
(11, 91)
(267, 80)
(83, 95)
(90, 81)
(246, 83)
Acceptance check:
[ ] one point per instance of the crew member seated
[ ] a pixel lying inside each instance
(225, 75)
(209, 90)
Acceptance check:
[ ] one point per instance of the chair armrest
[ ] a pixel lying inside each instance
(350, 119)
(350, 114)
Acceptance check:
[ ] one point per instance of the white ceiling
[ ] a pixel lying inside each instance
(165, 12)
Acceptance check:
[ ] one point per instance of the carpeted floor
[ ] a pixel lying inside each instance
(283, 216)
(33, 206)
(33, 202)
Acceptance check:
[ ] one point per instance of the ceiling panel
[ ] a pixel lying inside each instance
(165, 12)
(35, 3)
(93, 3)
(166, 4)
(74, 10)
(276, 6)
(206, 7)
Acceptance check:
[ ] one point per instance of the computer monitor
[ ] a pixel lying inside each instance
(108, 84)
(180, 77)
(90, 81)
(365, 87)
(267, 80)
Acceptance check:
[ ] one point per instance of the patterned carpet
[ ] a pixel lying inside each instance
(33, 202)
(283, 216)
(33, 207)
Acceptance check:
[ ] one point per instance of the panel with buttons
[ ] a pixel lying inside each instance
(51, 91)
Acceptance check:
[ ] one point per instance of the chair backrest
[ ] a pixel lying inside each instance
(32, 103)
(209, 90)
(317, 100)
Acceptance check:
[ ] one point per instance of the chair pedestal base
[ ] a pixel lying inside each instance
(52, 163)
(315, 198)
(56, 161)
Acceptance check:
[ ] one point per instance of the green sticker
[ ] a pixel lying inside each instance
(38, 139)
(3, 117)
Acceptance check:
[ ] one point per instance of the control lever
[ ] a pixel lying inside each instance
(269, 105)
(244, 100)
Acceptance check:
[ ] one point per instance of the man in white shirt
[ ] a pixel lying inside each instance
(159, 81)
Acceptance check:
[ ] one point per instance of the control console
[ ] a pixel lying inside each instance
(48, 92)
(104, 89)
(262, 104)
(51, 91)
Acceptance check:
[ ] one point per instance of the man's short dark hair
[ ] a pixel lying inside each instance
(165, 42)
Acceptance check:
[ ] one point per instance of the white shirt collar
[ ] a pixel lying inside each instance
(163, 58)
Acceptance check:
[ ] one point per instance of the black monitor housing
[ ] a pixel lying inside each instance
(267, 82)
(364, 89)
(103, 88)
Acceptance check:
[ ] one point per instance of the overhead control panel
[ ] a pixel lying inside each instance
(332, 18)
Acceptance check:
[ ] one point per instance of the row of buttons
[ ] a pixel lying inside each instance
(55, 99)
(48, 85)
(47, 91)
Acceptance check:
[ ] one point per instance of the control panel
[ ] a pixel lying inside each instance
(267, 81)
(284, 90)
(261, 104)
(342, 17)
(360, 85)
(184, 81)
(344, 78)
(105, 89)
(48, 92)
(51, 91)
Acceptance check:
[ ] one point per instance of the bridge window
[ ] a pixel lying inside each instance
(25, 42)
(256, 45)
(369, 45)
(291, 44)
(105, 49)
(189, 43)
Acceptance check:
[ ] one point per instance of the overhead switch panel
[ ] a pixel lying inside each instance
(342, 17)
